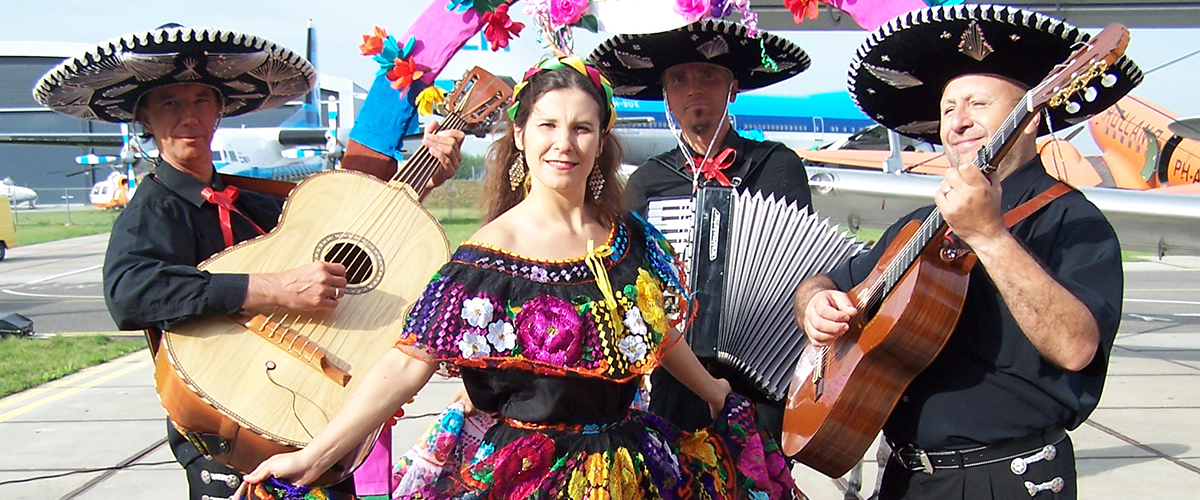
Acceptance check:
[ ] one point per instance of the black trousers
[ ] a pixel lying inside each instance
(199, 468)
(672, 400)
(983, 482)
(210, 480)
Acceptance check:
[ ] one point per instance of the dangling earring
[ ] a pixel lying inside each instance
(516, 171)
(596, 181)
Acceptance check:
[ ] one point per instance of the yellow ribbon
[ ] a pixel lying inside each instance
(596, 265)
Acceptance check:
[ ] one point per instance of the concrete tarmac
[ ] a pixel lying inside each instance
(99, 433)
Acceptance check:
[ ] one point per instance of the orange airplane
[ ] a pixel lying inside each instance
(1140, 151)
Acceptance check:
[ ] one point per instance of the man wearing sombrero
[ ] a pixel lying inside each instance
(177, 83)
(1028, 357)
(697, 70)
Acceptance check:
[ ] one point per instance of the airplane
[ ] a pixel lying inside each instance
(18, 194)
(299, 147)
(1145, 181)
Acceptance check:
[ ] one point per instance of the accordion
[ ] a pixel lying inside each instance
(745, 254)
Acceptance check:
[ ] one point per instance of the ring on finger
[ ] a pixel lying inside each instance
(947, 189)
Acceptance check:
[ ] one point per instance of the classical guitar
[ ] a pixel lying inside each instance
(841, 395)
(261, 382)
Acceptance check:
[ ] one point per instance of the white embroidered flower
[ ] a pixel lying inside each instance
(473, 344)
(477, 311)
(539, 274)
(633, 347)
(634, 321)
(502, 336)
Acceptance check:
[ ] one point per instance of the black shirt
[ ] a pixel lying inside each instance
(770, 167)
(150, 274)
(990, 384)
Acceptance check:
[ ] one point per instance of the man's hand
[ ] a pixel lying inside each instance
(313, 286)
(827, 316)
(970, 202)
(446, 147)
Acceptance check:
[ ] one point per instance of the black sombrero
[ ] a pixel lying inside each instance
(898, 74)
(106, 82)
(635, 63)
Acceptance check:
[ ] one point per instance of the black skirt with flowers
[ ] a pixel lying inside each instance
(557, 350)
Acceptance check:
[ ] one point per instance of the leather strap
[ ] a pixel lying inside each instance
(1020, 212)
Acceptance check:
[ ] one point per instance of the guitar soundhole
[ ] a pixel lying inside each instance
(359, 265)
(363, 260)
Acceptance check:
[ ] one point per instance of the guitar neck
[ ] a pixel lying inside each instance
(934, 225)
(419, 168)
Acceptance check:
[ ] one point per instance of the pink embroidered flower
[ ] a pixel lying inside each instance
(692, 10)
(498, 28)
(567, 12)
(549, 329)
(520, 466)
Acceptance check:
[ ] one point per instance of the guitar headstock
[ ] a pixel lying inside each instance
(477, 96)
(1085, 64)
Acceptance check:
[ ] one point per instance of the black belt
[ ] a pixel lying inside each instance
(915, 459)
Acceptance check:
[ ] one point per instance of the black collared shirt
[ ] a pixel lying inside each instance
(770, 167)
(150, 274)
(990, 384)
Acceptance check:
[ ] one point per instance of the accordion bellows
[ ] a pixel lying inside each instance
(746, 253)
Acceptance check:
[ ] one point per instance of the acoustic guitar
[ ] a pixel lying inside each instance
(841, 395)
(262, 382)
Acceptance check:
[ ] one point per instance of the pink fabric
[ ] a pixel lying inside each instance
(871, 14)
(440, 33)
(374, 476)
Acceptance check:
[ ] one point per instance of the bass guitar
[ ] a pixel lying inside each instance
(261, 382)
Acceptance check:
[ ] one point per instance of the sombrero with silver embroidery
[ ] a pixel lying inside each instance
(635, 63)
(898, 74)
(106, 82)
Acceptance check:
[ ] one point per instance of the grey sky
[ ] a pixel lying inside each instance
(340, 24)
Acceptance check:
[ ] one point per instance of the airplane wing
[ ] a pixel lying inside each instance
(80, 139)
(914, 161)
(1145, 221)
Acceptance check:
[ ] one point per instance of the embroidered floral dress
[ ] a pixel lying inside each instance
(557, 349)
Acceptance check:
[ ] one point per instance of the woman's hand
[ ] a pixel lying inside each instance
(464, 399)
(296, 468)
(716, 400)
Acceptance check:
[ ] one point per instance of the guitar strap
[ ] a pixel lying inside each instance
(1020, 212)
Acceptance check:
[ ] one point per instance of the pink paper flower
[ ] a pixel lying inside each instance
(498, 28)
(567, 12)
(692, 10)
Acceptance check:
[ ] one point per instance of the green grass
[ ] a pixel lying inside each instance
(40, 226)
(27, 362)
(459, 223)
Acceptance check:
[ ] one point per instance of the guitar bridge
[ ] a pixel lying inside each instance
(295, 344)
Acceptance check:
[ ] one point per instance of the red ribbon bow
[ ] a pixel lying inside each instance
(712, 168)
(224, 202)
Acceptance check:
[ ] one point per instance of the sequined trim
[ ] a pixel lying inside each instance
(588, 429)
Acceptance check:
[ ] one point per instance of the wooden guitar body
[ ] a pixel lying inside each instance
(282, 375)
(830, 424)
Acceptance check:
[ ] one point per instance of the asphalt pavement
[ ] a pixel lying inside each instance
(99, 433)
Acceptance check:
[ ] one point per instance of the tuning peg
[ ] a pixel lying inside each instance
(1109, 80)
(1089, 94)
(1073, 107)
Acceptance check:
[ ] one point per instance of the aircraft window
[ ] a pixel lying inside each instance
(217, 156)
(243, 158)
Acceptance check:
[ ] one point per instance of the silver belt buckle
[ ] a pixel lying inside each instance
(926, 465)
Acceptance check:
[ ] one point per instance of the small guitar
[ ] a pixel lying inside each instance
(263, 382)
(841, 395)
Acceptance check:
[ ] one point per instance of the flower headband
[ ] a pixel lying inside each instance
(578, 64)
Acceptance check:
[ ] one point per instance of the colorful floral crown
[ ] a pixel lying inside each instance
(578, 64)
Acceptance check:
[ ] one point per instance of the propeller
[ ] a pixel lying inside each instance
(333, 149)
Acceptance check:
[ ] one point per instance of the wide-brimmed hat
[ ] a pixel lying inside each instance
(635, 63)
(106, 82)
(898, 74)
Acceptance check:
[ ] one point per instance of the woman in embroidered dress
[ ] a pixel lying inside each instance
(551, 314)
